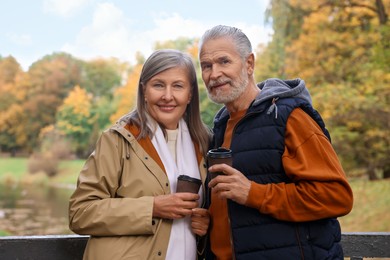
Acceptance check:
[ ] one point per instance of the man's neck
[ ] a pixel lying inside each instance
(243, 101)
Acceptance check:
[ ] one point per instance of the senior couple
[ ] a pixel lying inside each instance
(279, 200)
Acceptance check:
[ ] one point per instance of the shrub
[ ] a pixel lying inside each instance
(46, 163)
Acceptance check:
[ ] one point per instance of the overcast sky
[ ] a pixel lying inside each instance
(87, 29)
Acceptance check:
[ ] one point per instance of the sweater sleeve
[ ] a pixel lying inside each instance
(319, 187)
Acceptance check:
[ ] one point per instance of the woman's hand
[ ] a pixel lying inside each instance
(200, 221)
(175, 206)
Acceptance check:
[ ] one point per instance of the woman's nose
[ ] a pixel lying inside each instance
(168, 94)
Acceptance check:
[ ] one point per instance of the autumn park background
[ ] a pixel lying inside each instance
(52, 114)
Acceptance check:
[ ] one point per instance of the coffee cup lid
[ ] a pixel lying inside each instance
(220, 152)
(189, 178)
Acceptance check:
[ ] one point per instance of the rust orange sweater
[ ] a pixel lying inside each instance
(320, 189)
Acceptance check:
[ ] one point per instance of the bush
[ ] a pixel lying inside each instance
(61, 150)
(46, 163)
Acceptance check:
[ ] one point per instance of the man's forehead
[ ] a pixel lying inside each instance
(217, 50)
(215, 55)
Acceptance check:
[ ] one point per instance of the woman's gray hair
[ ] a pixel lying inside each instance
(164, 59)
(241, 41)
(159, 61)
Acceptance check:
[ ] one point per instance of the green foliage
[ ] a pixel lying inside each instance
(42, 102)
(9, 69)
(101, 77)
(76, 120)
(208, 108)
(13, 94)
(49, 82)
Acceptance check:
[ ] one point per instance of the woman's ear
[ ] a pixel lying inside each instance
(144, 91)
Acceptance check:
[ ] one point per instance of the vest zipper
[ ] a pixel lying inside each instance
(227, 204)
(299, 243)
(230, 232)
(229, 222)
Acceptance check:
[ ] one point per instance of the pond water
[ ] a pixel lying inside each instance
(34, 210)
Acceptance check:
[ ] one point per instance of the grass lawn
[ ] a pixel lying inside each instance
(371, 209)
(15, 167)
(370, 213)
(15, 170)
(69, 171)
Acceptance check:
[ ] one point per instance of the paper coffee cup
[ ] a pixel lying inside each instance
(219, 156)
(187, 183)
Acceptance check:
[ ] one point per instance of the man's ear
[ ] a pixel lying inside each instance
(250, 63)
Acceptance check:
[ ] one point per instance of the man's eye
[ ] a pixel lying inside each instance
(206, 66)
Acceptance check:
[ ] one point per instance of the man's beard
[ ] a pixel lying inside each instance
(221, 96)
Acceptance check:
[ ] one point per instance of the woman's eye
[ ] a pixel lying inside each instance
(158, 85)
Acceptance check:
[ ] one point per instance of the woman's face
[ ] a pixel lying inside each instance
(167, 95)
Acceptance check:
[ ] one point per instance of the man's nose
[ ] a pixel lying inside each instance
(215, 72)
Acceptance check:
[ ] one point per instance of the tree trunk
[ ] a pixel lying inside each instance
(386, 172)
(371, 173)
(381, 12)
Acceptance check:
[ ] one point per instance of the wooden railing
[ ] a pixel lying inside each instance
(356, 246)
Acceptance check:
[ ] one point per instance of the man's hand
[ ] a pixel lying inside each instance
(230, 185)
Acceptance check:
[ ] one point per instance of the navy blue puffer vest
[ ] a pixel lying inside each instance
(258, 145)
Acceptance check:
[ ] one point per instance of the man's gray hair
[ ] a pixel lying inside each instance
(241, 41)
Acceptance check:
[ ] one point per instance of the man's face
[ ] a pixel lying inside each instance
(223, 70)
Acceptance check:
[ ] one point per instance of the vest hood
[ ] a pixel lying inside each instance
(277, 88)
(274, 89)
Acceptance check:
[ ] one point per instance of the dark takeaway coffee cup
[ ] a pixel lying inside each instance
(218, 156)
(187, 183)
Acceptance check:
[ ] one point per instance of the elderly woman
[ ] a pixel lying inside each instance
(125, 197)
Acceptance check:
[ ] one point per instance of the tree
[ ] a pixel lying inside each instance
(50, 80)
(125, 96)
(342, 50)
(9, 69)
(101, 77)
(13, 95)
(286, 20)
(75, 120)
